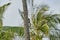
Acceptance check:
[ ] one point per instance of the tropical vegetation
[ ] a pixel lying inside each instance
(42, 24)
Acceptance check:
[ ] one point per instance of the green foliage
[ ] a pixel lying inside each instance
(6, 35)
(7, 32)
(18, 30)
(42, 23)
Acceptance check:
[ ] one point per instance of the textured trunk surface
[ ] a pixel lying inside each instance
(26, 26)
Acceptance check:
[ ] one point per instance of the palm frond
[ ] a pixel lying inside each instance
(2, 9)
(40, 19)
(21, 13)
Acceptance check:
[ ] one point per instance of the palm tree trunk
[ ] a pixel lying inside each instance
(26, 26)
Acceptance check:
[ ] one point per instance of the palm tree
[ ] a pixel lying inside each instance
(42, 23)
(50, 23)
(2, 9)
(26, 25)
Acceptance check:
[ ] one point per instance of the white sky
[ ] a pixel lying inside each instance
(12, 17)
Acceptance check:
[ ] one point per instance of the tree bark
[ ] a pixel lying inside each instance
(26, 25)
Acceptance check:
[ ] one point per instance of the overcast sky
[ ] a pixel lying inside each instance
(12, 17)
